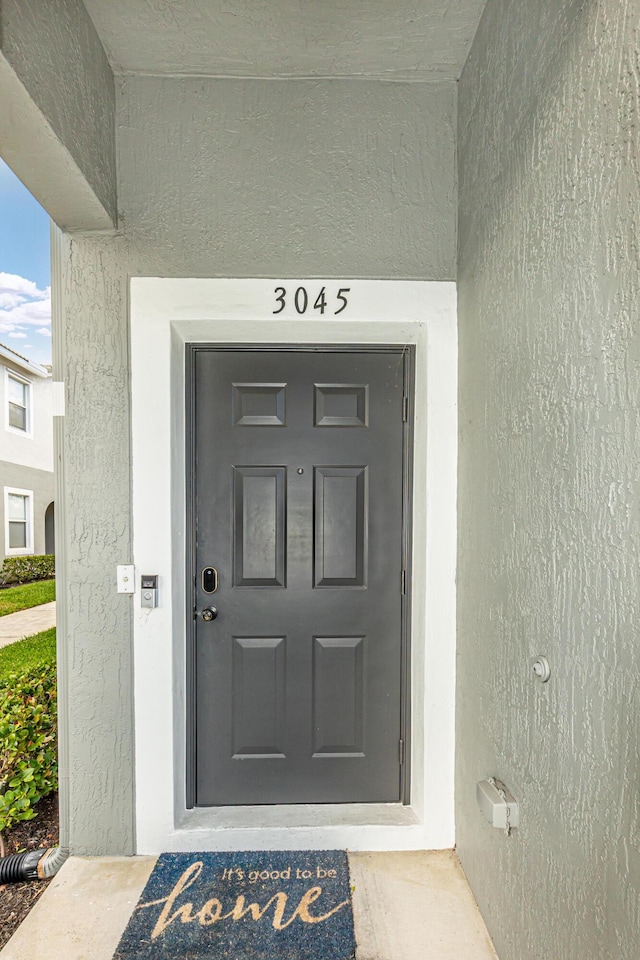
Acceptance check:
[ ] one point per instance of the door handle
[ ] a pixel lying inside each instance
(209, 614)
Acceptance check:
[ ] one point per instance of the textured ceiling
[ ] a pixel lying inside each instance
(395, 39)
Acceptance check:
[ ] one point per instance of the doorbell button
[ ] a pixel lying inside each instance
(149, 585)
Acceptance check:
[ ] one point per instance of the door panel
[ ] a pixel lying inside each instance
(258, 404)
(338, 696)
(258, 697)
(298, 504)
(341, 404)
(340, 529)
(259, 526)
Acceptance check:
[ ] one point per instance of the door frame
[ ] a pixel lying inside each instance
(165, 314)
(407, 352)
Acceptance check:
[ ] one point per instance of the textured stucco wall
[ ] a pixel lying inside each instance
(298, 178)
(58, 65)
(93, 534)
(549, 536)
(216, 178)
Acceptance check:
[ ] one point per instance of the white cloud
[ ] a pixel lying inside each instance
(44, 332)
(9, 299)
(12, 283)
(23, 305)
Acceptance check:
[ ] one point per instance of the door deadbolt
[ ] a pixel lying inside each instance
(209, 614)
(209, 580)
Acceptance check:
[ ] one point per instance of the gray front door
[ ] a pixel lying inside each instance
(297, 487)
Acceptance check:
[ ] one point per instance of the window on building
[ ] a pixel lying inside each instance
(18, 403)
(19, 521)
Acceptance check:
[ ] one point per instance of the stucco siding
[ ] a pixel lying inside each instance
(216, 178)
(93, 446)
(57, 110)
(297, 178)
(549, 530)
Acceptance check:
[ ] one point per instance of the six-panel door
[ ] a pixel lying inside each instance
(298, 505)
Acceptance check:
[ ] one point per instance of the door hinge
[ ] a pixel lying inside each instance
(401, 751)
(403, 583)
(405, 409)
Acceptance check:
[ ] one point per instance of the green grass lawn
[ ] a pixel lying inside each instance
(31, 652)
(26, 595)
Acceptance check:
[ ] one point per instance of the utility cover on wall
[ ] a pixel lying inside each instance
(497, 804)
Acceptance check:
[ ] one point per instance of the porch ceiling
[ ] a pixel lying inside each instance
(390, 39)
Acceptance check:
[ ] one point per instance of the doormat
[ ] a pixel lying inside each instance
(257, 905)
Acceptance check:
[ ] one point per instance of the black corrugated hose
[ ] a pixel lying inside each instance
(31, 865)
(21, 866)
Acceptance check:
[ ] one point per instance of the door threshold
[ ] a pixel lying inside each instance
(352, 826)
(304, 815)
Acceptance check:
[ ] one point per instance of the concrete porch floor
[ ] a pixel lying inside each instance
(407, 906)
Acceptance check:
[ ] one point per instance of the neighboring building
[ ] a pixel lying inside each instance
(26, 457)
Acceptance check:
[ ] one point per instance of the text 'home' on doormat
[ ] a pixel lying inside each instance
(257, 905)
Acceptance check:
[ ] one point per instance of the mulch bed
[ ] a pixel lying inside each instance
(17, 899)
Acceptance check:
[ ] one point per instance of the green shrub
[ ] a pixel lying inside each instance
(28, 751)
(26, 569)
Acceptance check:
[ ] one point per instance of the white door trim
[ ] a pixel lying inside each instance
(166, 314)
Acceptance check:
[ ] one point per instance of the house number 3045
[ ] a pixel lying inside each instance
(303, 300)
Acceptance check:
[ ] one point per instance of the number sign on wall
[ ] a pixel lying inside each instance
(303, 300)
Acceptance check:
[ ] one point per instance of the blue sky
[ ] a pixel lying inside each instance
(25, 272)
